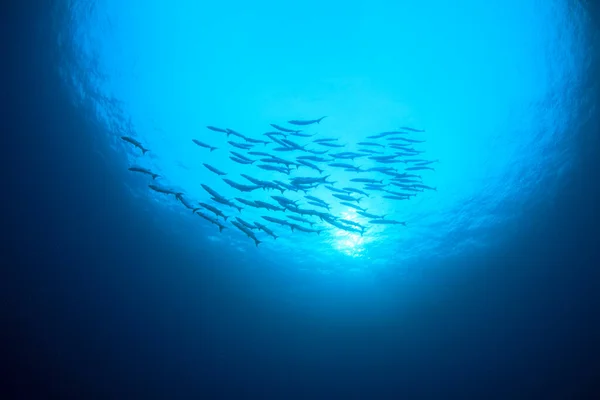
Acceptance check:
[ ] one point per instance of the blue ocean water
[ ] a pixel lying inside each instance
(494, 85)
(111, 290)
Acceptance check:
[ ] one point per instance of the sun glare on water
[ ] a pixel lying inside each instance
(349, 243)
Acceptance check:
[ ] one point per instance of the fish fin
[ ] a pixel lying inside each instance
(225, 217)
(275, 237)
(240, 209)
(154, 176)
(213, 148)
(178, 196)
(144, 151)
(321, 119)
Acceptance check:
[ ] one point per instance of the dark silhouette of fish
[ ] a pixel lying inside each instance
(306, 122)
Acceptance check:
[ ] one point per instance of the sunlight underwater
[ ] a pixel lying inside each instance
(495, 105)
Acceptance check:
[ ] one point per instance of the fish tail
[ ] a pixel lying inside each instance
(240, 209)
(225, 217)
(213, 148)
(144, 151)
(154, 176)
(257, 242)
(321, 119)
(195, 210)
(221, 227)
(275, 237)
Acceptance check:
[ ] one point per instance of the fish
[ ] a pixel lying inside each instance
(311, 166)
(412, 140)
(135, 143)
(357, 191)
(274, 168)
(285, 185)
(307, 230)
(241, 161)
(406, 128)
(211, 220)
(425, 187)
(202, 144)
(366, 180)
(259, 153)
(325, 140)
(275, 134)
(146, 171)
(284, 201)
(246, 224)
(215, 170)
(383, 134)
(341, 165)
(352, 223)
(369, 151)
(234, 133)
(277, 160)
(265, 230)
(250, 140)
(356, 207)
(214, 210)
(300, 134)
(312, 158)
(240, 145)
(214, 128)
(226, 202)
(370, 144)
(276, 220)
(247, 231)
(349, 155)
(300, 219)
(295, 145)
(240, 187)
(329, 144)
(187, 204)
(247, 202)
(306, 122)
(211, 191)
(386, 222)
(378, 158)
(316, 204)
(270, 207)
(282, 129)
(346, 197)
(317, 151)
(313, 198)
(396, 197)
(371, 216)
(372, 186)
(418, 168)
(241, 156)
(164, 190)
(335, 189)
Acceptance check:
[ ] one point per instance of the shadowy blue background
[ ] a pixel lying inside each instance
(98, 302)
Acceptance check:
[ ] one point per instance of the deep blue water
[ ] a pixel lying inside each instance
(491, 291)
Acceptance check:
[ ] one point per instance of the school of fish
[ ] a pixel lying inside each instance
(299, 163)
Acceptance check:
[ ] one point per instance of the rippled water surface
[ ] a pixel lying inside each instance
(495, 86)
